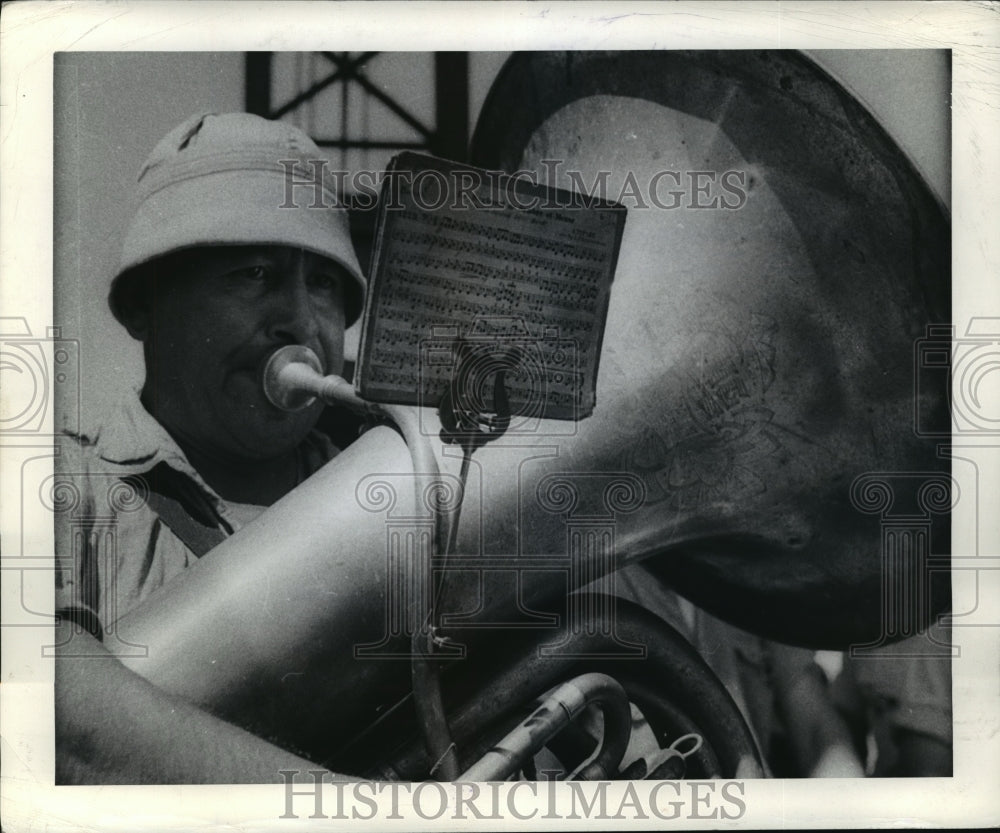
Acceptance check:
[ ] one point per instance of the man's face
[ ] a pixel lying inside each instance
(213, 320)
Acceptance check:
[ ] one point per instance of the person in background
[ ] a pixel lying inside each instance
(899, 698)
(780, 690)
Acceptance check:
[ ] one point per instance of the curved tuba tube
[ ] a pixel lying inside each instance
(756, 393)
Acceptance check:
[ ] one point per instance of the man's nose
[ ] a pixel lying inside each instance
(294, 318)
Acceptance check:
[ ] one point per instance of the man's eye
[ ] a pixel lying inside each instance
(251, 273)
(326, 282)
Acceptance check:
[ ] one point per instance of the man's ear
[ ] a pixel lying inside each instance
(135, 309)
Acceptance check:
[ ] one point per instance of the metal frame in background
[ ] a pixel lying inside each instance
(448, 137)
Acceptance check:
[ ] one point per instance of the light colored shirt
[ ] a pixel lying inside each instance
(112, 548)
(908, 683)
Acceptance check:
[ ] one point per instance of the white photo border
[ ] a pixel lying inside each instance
(33, 31)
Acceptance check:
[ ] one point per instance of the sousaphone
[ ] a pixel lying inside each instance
(758, 435)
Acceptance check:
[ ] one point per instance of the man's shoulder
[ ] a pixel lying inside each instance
(80, 465)
(124, 437)
(77, 449)
(103, 454)
(85, 450)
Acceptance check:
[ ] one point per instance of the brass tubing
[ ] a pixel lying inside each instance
(559, 709)
(672, 686)
(291, 377)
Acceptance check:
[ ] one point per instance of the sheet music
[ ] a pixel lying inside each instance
(481, 281)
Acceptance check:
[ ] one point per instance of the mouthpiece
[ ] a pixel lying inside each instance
(287, 376)
(293, 379)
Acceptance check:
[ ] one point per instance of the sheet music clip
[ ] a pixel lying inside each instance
(464, 419)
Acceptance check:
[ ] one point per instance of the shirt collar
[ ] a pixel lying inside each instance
(132, 439)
